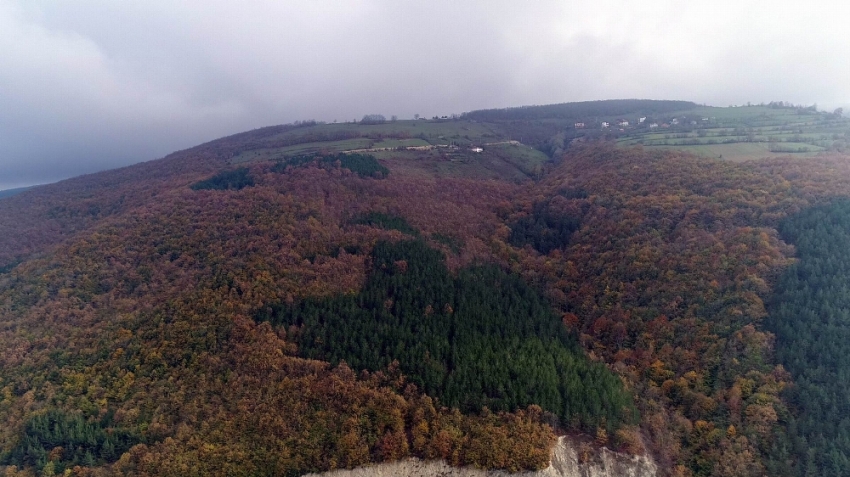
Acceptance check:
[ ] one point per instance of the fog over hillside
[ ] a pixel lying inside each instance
(91, 85)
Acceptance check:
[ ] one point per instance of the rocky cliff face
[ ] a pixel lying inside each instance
(564, 464)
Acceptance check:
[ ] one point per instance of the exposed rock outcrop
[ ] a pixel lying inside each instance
(565, 463)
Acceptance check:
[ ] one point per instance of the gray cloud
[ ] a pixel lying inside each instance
(90, 84)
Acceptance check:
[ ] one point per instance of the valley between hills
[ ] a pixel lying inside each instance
(471, 292)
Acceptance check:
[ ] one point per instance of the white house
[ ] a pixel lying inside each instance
(623, 123)
(477, 149)
(641, 120)
(653, 125)
(579, 125)
(605, 125)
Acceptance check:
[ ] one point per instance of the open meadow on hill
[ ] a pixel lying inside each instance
(741, 133)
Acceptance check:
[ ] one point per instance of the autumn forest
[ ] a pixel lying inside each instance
(199, 315)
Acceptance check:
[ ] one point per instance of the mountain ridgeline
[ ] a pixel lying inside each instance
(581, 110)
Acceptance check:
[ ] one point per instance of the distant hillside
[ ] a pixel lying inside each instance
(737, 133)
(11, 192)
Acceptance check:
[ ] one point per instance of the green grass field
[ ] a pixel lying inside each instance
(272, 154)
(743, 133)
(744, 151)
(503, 161)
(401, 143)
(527, 159)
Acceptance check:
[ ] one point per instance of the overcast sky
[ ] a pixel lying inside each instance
(89, 85)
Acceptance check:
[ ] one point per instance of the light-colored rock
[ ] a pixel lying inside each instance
(605, 463)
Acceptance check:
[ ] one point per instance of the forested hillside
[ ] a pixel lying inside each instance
(811, 318)
(482, 339)
(11, 192)
(666, 280)
(205, 315)
(146, 320)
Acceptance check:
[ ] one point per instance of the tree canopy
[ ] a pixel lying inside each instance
(482, 339)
